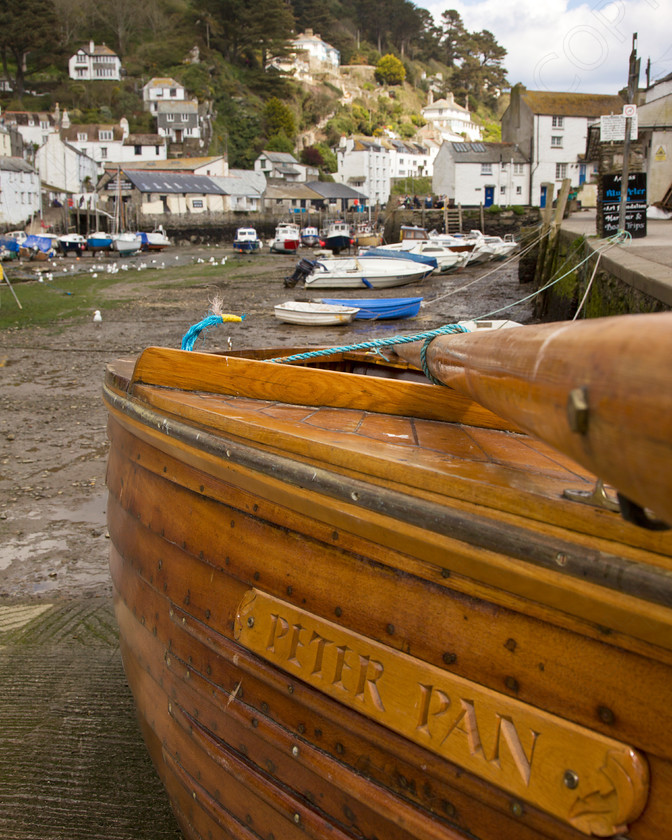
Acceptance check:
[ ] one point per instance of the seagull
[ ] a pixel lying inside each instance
(97, 317)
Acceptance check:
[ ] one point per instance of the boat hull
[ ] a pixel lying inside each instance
(368, 272)
(381, 309)
(315, 314)
(323, 622)
(246, 247)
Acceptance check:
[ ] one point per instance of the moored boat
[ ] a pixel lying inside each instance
(355, 604)
(99, 241)
(126, 244)
(287, 239)
(310, 236)
(381, 309)
(72, 242)
(154, 240)
(315, 313)
(338, 237)
(358, 272)
(246, 241)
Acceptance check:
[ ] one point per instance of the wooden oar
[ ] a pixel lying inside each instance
(598, 390)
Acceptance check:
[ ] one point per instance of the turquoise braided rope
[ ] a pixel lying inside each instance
(378, 343)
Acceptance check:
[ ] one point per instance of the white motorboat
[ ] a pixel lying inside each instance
(155, 240)
(246, 241)
(72, 242)
(309, 313)
(287, 238)
(446, 258)
(358, 272)
(310, 236)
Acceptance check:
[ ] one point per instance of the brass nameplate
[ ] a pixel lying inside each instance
(592, 782)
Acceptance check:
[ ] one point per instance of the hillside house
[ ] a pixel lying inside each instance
(33, 126)
(365, 164)
(409, 160)
(449, 118)
(482, 173)
(320, 54)
(114, 143)
(178, 121)
(551, 128)
(161, 90)
(95, 63)
(20, 193)
(285, 167)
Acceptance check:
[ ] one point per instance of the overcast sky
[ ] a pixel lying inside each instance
(571, 45)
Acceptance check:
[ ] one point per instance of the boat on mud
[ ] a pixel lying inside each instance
(286, 240)
(338, 237)
(246, 241)
(357, 272)
(315, 313)
(310, 236)
(357, 603)
(380, 309)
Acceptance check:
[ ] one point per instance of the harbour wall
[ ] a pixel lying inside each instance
(619, 283)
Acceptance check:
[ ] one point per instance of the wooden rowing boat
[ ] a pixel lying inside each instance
(354, 604)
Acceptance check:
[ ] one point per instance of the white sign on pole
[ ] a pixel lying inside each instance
(630, 111)
(612, 127)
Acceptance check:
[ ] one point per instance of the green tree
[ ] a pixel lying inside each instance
(279, 143)
(277, 118)
(390, 71)
(455, 38)
(23, 31)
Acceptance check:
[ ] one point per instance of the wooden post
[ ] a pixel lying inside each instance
(482, 218)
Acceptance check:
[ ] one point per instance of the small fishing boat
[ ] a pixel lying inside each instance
(126, 244)
(313, 313)
(41, 247)
(154, 240)
(338, 237)
(287, 239)
(355, 604)
(398, 253)
(358, 272)
(246, 241)
(72, 243)
(446, 259)
(381, 309)
(310, 236)
(367, 237)
(99, 241)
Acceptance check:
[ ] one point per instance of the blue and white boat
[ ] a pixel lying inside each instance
(400, 254)
(338, 237)
(310, 236)
(99, 241)
(379, 309)
(246, 241)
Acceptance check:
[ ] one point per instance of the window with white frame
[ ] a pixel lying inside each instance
(103, 152)
(560, 171)
(518, 168)
(82, 137)
(170, 117)
(519, 190)
(558, 122)
(502, 189)
(105, 135)
(556, 142)
(486, 169)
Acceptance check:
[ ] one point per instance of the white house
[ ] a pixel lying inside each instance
(161, 90)
(5, 142)
(95, 64)
(409, 160)
(365, 164)
(482, 173)
(450, 118)
(64, 168)
(321, 54)
(551, 128)
(178, 121)
(245, 190)
(283, 166)
(104, 143)
(655, 129)
(33, 126)
(20, 194)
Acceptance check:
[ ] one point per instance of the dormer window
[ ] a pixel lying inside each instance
(105, 134)
(82, 137)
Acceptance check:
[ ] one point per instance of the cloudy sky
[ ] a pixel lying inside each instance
(572, 45)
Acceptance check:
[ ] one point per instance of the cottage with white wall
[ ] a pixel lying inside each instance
(33, 126)
(321, 55)
(161, 89)
(104, 143)
(95, 63)
(178, 121)
(482, 173)
(450, 118)
(365, 164)
(552, 127)
(285, 167)
(63, 168)
(20, 193)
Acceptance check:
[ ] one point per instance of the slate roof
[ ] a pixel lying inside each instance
(551, 103)
(173, 182)
(161, 82)
(291, 191)
(15, 164)
(487, 153)
(144, 140)
(173, 164)
(280, 157)
(332, 189)
(242, 182)
(92, 132)
(177, 106)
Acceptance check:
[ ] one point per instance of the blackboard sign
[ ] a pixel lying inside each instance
(635, 206)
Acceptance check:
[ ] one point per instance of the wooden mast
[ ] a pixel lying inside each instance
(598, 390)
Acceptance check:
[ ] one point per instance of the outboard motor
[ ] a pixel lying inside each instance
(303, 268)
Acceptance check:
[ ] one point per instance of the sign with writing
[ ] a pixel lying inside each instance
(612, 127)
(635, 208)
(197, 202)
(592, 782)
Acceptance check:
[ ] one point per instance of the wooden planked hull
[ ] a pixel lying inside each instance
(339, 622)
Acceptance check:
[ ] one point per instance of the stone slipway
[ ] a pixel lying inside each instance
(72, 762)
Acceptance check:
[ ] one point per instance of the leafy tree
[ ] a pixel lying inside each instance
(455, 40)
(312, 156)
(278, 119)
(23, 31)
(405, 23)
(481, 73)
(279, 143)
(390, 70)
